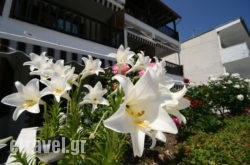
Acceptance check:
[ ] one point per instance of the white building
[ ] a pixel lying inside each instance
(222, 49)
(71, 29)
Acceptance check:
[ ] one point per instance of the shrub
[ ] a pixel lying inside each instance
(223, 95)
(231, 145)
(229, 92)
(199, 115)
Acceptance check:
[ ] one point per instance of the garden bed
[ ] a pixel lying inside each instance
(228, 145)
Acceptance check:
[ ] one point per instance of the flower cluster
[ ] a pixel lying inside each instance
(140, 86)
(229, 92)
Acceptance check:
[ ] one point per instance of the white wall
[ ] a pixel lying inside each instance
(200, 57)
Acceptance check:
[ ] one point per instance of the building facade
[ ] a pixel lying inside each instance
(71, 29)
(222, 49)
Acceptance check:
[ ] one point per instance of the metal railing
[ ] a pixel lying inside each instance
(143, 16)
(172, 68)
(61, 19)
(169, 32)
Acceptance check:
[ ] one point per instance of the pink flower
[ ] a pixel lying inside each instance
(161, 156)
(152, 64)
(120, 69)
(141, 72)
(176, 121)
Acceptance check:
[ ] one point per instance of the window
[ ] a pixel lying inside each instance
(65, 26)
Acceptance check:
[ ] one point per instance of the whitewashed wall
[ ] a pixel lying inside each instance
(200, 57)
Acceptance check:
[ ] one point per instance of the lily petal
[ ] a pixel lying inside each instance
(178, 115)
(34, 109)
(17, 113)
(164, 123)
(138, 138)
(118, 121)
(179, 94)
(124, 81)
(13, 100)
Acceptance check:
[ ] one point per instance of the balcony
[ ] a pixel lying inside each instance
(175, 69)
(234, 53)
(236, 59)
(155, 14)
(62, 19)
(169, 32)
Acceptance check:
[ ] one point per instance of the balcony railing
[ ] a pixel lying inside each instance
(144, 16)
(174, 68)
(46, 14)
(169, 32)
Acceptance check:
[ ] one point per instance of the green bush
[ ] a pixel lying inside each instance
(229, 92)
(230, 145)
(199, 115)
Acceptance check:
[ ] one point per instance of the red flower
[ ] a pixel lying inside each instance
(186, 80)
(195, 102)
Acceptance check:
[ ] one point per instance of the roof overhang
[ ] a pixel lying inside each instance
(101, 10)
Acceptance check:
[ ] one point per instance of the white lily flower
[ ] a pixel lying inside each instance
(71, 77)
(123, 56)
(156, 135)
(59, 68)
(27, 98)
(95, 96)
(40, 65)
(91, 66)
(57, 86)
(141, 112)
(164, 81)
(37, 61)
(141, 63)
(67, 71)
(178, 103)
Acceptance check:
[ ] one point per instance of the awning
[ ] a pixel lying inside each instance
(111, 4)
(139, 36)
(144, 38)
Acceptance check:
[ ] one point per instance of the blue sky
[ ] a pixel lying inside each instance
(199, 16)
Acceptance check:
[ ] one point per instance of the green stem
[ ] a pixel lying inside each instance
(103, 115)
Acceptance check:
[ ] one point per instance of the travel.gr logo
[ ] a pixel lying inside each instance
(58, 144)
